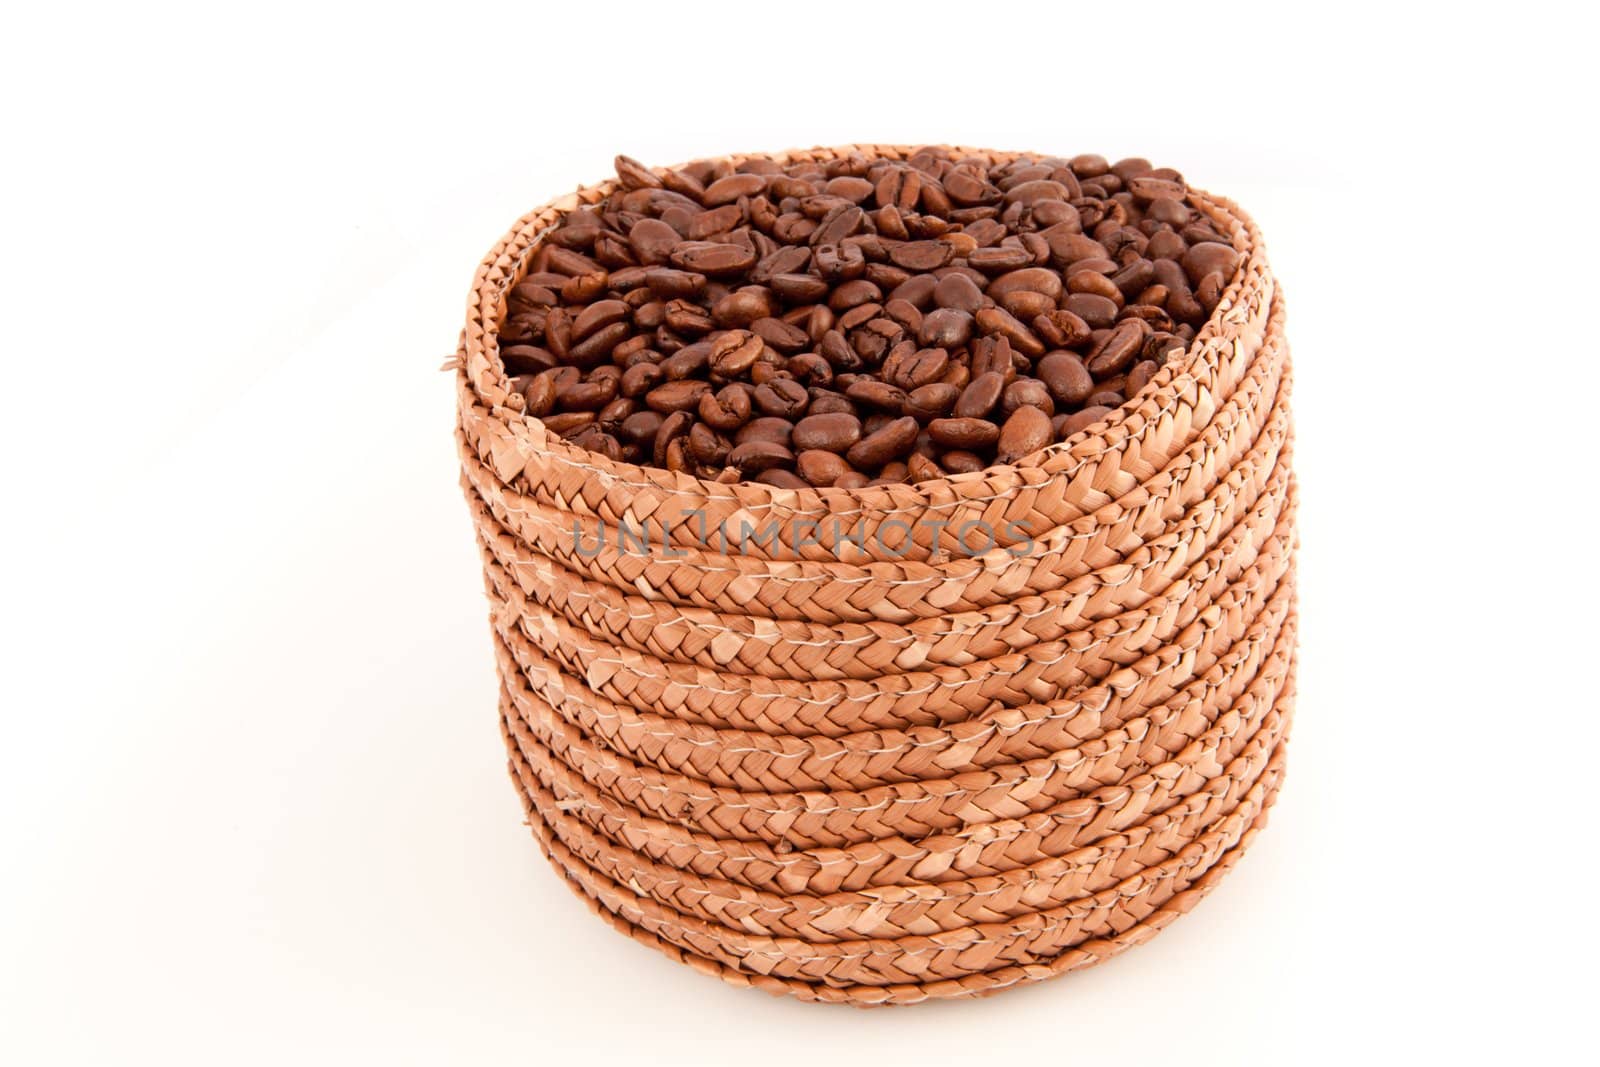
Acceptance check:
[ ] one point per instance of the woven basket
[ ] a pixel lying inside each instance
(869, 757)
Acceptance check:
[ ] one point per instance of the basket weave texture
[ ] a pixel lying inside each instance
(864, 760)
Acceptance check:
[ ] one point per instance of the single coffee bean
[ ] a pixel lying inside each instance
(677, 396)
(734, 353)
(727, 409)
(888, 443)
(931, 401)
(1065, 376)
(820, 467)
(876, 394)
(1026, 392)
(964, 433)
(766, 428)
(759, 455)
(1081, 420)
(1207, 256)
(831, 432)
(782, 397)
(713, 260)
(979, 398)
(568, 423)
(1025, 432)
(1116, 351)
(946, 328)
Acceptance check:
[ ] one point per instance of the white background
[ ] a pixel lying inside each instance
(252, 795)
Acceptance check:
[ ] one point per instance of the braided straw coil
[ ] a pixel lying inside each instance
(869, 758)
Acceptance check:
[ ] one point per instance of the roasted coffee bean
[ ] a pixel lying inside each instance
(568, 423)
(782, 397)
(831, 432)
(819, 467)
(1139, 376)
(946, 328)
(879, 395)
(980, 396)
(707, 446)
(734, 353)
(672, 427)
(883, 445)
(539, 396)
(1025, 432)
(727, 409)
(1081, 420)
(677, 396)
(713, 260)
(527, 359)
(759, 455)
(964, 433)
(921, 367)
(921, 255)
(1025, 392)
(1115, 352)
(766, 428)
(640, 427)
(956, 291)
(931, 401)
(1208, 256)
(588, 396)
(1095, 310)
(1065, 376)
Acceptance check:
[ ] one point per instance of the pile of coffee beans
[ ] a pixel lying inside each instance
(860, 321)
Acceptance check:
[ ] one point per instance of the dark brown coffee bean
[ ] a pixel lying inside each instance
(799, 288)
(766, 428)
(759, 455)
(1025, 392)
(734, 353)
(1034, 279)
(677, 396)
(640, 427)
(1097, 311)
(588, 396)
(921, 255)
(1001, 323)
(876, 394)
(1201, 259)
(921, 367)
(1115, 352)
(727, 409)
(782, 397)
(674, 284)
(672, 428)
(980, 397)
(838, 224)
(1025, 432)
(1082, 420)
(820, 468)
(958, 292)
(964, 433)
(713, 260)
(539, 396)
(526, 359)
(779, 478)
(920, 468)
(999, 260)
(946, 328)
(707, 446)
(568, 423)
(831, 432)
(596, 315)
(931, 401)
(653, 241)
(886, 444)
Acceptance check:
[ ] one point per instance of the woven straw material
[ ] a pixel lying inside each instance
(870, 757)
